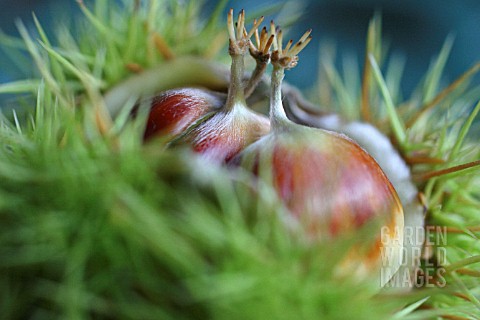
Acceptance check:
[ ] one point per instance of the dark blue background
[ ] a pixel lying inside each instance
(416, 29)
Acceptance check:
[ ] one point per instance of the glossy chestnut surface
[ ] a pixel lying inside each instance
(324, 179)
(173, 111)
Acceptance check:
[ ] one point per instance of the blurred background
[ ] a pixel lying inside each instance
(414, 29)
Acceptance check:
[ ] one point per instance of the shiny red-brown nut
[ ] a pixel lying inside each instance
(325, 178)
(329, 185)
(173, 111)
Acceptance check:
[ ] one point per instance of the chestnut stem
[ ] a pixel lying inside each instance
(255, 77)
(261, 54)
(278, 117)
(235, 89)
